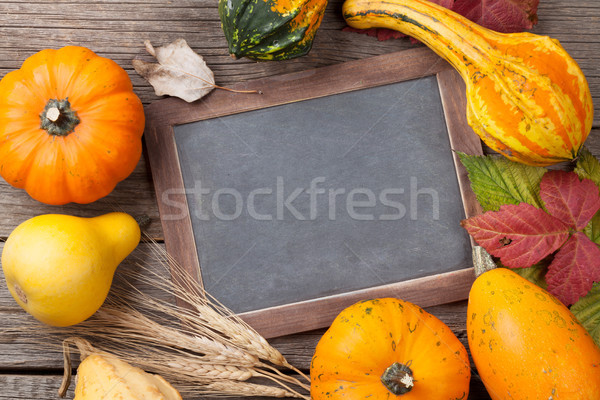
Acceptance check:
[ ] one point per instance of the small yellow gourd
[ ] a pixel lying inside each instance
(526, 97)
(59, 268)
(103, 376)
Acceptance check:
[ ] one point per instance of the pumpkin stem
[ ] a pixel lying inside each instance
(53, 114)
(58, 119)
(398, 378)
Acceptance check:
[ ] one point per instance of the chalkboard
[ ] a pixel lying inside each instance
(299, 203)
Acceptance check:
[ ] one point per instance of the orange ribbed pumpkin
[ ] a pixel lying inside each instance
(389, 349)
(70, 126)
(526, 97)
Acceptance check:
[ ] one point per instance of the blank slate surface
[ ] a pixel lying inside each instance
(324, 196)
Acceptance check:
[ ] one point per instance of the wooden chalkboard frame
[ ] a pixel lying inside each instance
(164, 115)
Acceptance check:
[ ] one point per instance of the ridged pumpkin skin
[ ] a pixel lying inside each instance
(526, 97)
(526, 344)
(368, 337)
(270, 29)
(83, 155)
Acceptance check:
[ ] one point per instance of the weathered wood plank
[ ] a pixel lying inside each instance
(32, 387)
(24, 387)
(134, 195)
(593, 142)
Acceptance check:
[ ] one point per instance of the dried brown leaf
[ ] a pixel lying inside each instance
(180, 71)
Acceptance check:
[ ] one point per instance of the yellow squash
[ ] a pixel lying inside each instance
(59, 268)
(105, 377)
(526, 344)
(526, 97)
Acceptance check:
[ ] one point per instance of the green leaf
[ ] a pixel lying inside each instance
(535, 274)
(588, 166)
(497, 181)
(592, 230)
(587, 311)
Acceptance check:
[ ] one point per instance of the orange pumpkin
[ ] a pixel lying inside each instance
(385, 348)
(70, 126)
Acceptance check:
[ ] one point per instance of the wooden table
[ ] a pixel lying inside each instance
(116, 29)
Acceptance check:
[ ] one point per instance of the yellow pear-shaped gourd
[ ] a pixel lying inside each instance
(59, 268)
(105, 377)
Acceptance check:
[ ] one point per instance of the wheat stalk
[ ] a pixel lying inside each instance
(208, 311)
(234, 389)
(202, 378)
(249, 389)
(211, 372)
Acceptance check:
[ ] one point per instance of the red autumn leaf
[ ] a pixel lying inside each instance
(574, 269)
(569, 199)
(499, 15)
(520, 235)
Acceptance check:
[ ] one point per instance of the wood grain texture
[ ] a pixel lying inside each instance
(298, 317)
(26, 352)
(20, 386)
(116, 29)
(134, 195)
(299, 85)
(171, 198)
(43, 383)
(18, 352)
